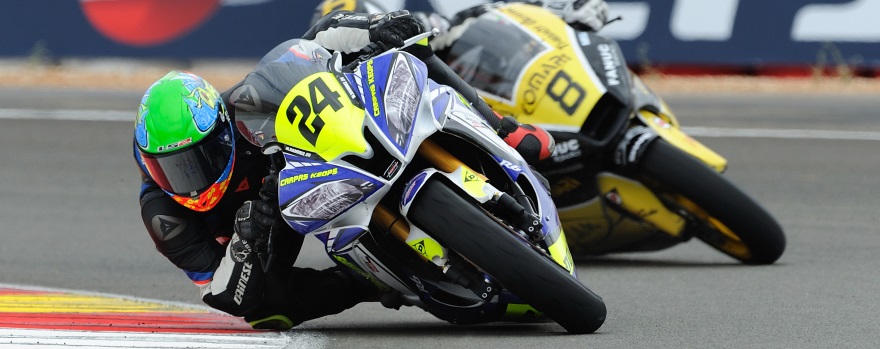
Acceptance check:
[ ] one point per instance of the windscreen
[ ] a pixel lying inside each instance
(492, 53)
(256, 101)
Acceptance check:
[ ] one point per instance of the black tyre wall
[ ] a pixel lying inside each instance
(461, 226)
(681, 173)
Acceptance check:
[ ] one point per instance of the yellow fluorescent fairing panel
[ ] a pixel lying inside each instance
(559, 87)
(317, 116)
(560, 253)
(637, 199)
(682, 141)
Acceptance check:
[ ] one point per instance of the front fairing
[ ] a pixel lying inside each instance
(295, 100)
(256, 102)
(346, 137)
(527, 62)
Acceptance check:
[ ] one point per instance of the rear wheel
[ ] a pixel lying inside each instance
(722, 215)
(545, 285)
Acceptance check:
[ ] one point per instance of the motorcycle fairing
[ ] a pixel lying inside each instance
(606, 58)
(340, 238)
(645, 98)
(521, 312)
(358, 257)
(314, 117)
(513, 170)
(339, 243)
(440, 96)
(552, 85)
(392, 85)
(593, 228)
(313, 193)
(633, 197)
(457, 117)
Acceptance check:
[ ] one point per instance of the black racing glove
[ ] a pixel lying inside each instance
(393, 28)
(255, 218)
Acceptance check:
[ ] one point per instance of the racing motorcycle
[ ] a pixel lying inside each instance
(624, 176)
(407, 186)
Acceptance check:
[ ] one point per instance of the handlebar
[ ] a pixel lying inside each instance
(373, 49)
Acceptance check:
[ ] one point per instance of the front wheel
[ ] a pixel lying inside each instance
(467, 229)
(720, 213)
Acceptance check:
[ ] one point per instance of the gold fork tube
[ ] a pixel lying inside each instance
(391, 221)
(442, 159)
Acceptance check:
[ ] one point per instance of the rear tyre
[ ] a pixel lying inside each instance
(726, 218)
(539, 281)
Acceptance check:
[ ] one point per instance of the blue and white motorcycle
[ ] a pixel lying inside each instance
(407, 186)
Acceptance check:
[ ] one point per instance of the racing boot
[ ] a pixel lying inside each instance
(301, 294)
(532, 142)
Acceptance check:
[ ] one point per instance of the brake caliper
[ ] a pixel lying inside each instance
(506, 207)
(459, 271)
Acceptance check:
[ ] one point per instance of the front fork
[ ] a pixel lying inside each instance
(476, 185)
(634, 197)
(665, 127)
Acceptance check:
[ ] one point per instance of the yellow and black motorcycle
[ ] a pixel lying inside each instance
(624, 176)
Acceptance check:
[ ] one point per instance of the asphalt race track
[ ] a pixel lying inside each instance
(69, 221)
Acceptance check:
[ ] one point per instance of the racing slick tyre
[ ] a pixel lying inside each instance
(719, 213)
(462, 226)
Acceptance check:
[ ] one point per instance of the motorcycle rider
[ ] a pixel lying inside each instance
(209, 203)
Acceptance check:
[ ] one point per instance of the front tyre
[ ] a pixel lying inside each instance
(721, 214)
(539, 281)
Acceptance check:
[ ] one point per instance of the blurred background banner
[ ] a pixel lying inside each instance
(150, 28)
(749, 34)
(692, 34)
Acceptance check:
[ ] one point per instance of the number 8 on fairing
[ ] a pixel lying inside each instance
(570, 87)
(320, 97)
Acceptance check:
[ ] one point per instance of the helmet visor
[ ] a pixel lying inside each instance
(195, 168)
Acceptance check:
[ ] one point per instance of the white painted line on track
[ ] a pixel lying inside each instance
(68, 114)
(23, 338)
(781, 133)
(713, 132)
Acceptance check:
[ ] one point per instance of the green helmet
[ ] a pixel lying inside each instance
(184, 139)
